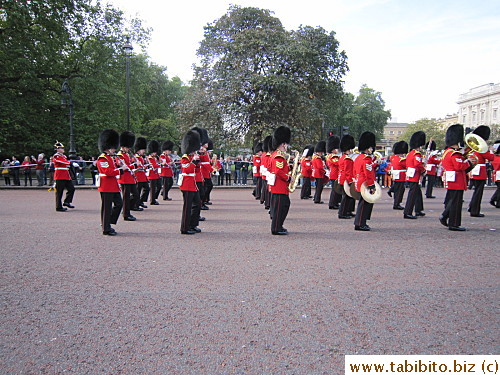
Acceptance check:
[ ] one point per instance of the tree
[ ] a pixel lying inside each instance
(431, 129)
(255, 75)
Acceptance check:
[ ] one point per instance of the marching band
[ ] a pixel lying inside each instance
(125, 180)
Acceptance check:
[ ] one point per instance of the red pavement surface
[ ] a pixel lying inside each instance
(235, 299)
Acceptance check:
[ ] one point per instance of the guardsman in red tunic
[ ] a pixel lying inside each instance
(478, 174)
(140, 172)
(319, 172)
(346, 165)
(455, 181)
(364, 171)
(152, 172)
(256, 163)
(278, 180)
(127, 179)
(166, 172)
(398, 172)
(332, 162)
(187, 184)
(495, 198)
(111, 200)
(62, 178)
(204, 158)
(207, 173)
(431, 167)
(306, 171)
(414, 170)
(263, 170)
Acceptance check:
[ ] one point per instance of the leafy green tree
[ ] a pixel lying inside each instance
(431, 129)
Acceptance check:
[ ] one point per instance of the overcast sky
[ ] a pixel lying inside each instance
(420, 54)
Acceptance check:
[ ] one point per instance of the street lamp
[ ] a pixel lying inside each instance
(127, 49)
(67, 100)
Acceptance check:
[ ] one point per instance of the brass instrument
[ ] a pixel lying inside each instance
(474, 144)
(377, 156)
(296, 172)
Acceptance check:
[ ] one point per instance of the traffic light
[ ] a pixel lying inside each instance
(331, 132)
(345, 130)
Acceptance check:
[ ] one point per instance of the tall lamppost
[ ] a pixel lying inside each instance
(127, 49)
(67, 100)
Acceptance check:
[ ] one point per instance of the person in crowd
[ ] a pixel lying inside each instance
(222, 172)
(15, 164)
(237, 171)
(244, 171)
(40, 169)
(26, 166)
(93, 169)
(227, 170)
(6, 171)
(80, 172)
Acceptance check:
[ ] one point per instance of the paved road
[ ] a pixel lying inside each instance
(234, 299)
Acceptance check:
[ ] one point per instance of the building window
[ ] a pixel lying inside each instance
(473, 116)
(391, 132)
(494, 115)
(482, 116)
(400, 132)
(463, 119)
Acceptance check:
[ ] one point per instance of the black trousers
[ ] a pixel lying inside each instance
(398, 188)
(477, 196)
(305, 191)
(154, 187)
(220, 177)
(453, 207)
(258, 187)
(167, 183)
(190, 210)
(414, 199)
(346, 205)
(495, 198)
(130, 198)
(111, 206)
(143, 190)
(363, 213)
(431, 181)
(209, 185)
(319, 190)
(264, 194)
(201, 189)
(280, 205)
(70, 192)
(335, 197)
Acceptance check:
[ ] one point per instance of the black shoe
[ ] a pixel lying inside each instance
(137, 209)
(69, 205)
(364, 228)
(143, 205)
(284, 230)
(420, 213)
(204, 208)
(201, 218)
(266, 208)
(196, 229)
(62, 209)
(431, 197)
(478, 215)
(309, 196)
(154, 203)
(345, 217)
(208, 203)
(443, 220)
(304, 197)
(280, 233)
(398, 207)
(389, 193)
(129, 218)
(351, 215)
(336, 207)
(188, 231)
(493, 203)
(457, 229)
(409, 217)
(110, 232)
(320, 202)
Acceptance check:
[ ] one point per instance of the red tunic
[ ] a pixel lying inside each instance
(414, 166)
(206, 167)
(140, 172)
(61, 167)
(126, 177)
(166, 168)
(318, 167)
(398, 168)
(346, 165)
(432, 165)
(279, 169)
(256, 165)
(479, 171)
(152, 172)
(108, 174)
(188, 173)
(306, 167)
(496, 168)
(364, 170)
(454, 164)
(332, 162)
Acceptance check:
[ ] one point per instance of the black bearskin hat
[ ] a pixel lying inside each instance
(140, 143)
(203, 134)
(400, 147)
(347, 143)
(455, 135)
(431, 146)
(308, 151)
(333, 143)
(417, 140)
(167, 145)
(210, 145)
(153, 146)
(266, 145)
(320, 147)
(258, 148)
(281, 135)
(108, 138)
(366, 140)
(496, 147)
(127, 139)
(190, 142)
(483, 131)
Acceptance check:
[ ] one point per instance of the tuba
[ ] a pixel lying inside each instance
(474, 144)
(295, 174)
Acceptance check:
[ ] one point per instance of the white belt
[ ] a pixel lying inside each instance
(61, 169)
(431, 165)
(481, 165)
(399, 170)
(205, 162)
(188, 174)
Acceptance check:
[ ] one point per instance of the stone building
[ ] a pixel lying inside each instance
(479, 106)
